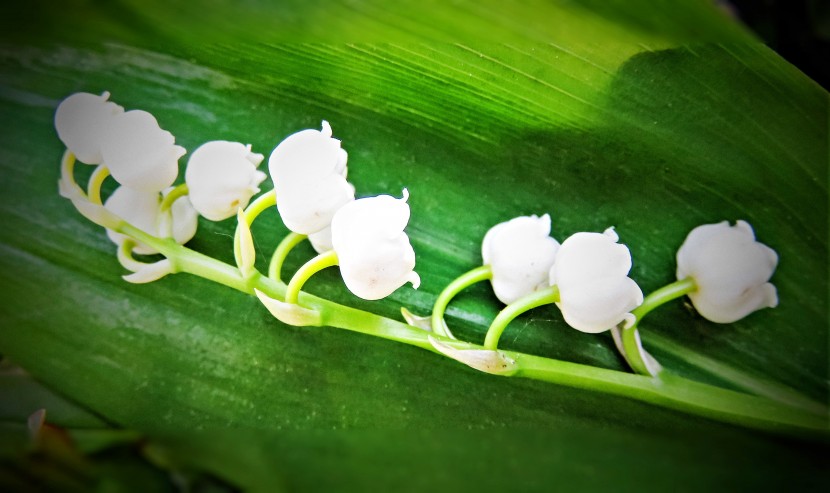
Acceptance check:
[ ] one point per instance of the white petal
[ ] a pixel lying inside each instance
(321, 240)
(309, 173)
(150, 272)
(374, 253)
(590, 256)
(81, 120)
(730, 270)
(520, 253)
(139, 154)
(137, 207)
(222, 177)
(185, 219)
(591, 272)
(599, 305)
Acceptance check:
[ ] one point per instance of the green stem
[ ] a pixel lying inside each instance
(632, 346)
(463, 281)
(125, 256)
(287, 244)
(174, 195)
(253, 210)
(670, 391)
(313, 266)
(663, 295)
(95, 181)
(740, 379)
(535, 299)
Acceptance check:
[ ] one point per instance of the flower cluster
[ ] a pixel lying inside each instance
(722, 268)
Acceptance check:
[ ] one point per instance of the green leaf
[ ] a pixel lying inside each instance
(653, 117)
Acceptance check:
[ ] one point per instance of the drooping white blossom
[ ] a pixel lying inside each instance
(731, 271)
(142, 210)
(81, 120)
(222, 177)
(520, 253)
(373, 251)
(139, 153)
(591, 272)
(309, 173)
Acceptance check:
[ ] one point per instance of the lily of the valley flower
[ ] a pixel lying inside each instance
(81, 120)
(222, 177)
(309, 173)
(591, 272)
(142, 210)
(520, 253)
(373, 251)
(730, 270)
(138, 153)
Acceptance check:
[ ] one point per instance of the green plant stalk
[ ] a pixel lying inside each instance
(95, 181)
(631, 344)
(287, 244)
(670, 392)
(533, 300)
(467, 279)
(174, 195)
(304, 273)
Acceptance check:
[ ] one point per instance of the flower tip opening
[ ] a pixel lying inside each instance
(414, 279)
(326, 129)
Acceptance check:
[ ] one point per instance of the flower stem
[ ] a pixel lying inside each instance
(287, 244)
(253, 210)
(535, 299)
(313, 266)
(174, 195)
(465, 280)
(669, 391)
(663, 295)
(95, 181)
(632, 346)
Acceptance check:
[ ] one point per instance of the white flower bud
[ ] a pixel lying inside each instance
(309, 173)
(591, 272)
(142, 210)
(321, 240)
(374, 253)
(730, 270)
(81, 120)
(138, 153)
(222, 177)
(520, 253)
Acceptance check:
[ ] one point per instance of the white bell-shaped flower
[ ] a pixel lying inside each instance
(222, 177)
(730, 270)
(373, 251)
(520, 253)
(591, 272)
(138, 153)
(142, 210)
(309, 173)
(81, 120)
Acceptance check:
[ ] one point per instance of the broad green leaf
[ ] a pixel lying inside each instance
(651, 117)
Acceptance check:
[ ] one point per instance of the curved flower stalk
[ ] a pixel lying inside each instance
(371, 248)
(730, 270)
(516, 255)
(309, 173)
(81, 119)
(222, 177)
